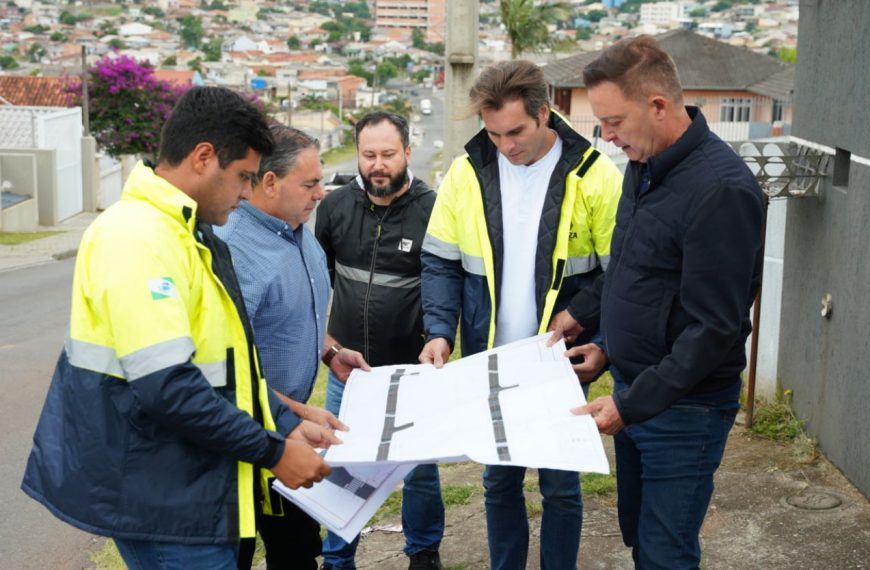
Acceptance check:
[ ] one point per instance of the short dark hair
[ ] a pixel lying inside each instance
(378, 117)
(216, 115)
(507, 81)
(289, 144)
(639, 67)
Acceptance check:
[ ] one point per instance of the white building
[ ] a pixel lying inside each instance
(662, 12)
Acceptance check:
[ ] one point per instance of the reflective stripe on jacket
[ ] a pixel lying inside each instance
(463, 251)
(156, 411)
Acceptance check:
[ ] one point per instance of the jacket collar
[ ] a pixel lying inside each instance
(145, 185)
(665, 161)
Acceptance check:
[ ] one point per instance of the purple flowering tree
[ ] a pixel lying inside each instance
(128, 105)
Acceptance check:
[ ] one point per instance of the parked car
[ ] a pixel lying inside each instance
(338, 180)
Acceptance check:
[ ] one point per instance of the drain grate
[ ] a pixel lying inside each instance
(814, 500)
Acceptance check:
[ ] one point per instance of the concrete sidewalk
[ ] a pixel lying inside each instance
(48, 249)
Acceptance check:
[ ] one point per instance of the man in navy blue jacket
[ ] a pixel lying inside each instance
(674, 303)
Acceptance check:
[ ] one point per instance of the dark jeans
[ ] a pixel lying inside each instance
(147, 555)
(664, 476)
(292, 541)
(507, 521)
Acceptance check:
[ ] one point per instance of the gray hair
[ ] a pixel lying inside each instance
(289, 144)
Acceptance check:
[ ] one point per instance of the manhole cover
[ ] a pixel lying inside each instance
(814, 501)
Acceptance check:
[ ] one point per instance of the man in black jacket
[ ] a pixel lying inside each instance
(674, 308)
(371, 231)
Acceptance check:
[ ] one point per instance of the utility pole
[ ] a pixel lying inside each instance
(86, 118)
(463, 19)
(290, 103)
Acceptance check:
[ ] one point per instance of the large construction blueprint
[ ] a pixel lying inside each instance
(507, 406)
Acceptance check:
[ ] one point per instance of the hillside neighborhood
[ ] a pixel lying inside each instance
(86, 84)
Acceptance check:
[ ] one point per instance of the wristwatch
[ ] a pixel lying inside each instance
(330, 353)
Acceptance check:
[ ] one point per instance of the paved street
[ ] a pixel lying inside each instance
(34, 303)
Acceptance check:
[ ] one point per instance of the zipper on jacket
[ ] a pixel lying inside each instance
(378, 230)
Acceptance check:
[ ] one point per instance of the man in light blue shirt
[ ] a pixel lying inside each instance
(285, 283)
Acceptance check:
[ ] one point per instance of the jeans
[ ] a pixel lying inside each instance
(422, 508)
(146, 555)
(664, 479)
(507, 521)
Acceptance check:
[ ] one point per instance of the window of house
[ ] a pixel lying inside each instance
(776, 111)
(735, 109)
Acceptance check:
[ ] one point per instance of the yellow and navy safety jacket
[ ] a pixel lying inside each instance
(157, 414)
(463, 252)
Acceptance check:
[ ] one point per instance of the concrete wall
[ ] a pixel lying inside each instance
(826, 361)
(46, 182)
(19, 171)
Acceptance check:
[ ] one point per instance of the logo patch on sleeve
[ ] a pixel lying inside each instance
(162, 288)
(406, 244)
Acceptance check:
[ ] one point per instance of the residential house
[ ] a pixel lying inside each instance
(742, 94)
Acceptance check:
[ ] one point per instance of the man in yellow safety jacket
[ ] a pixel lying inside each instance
(522, 223)
(158, 422)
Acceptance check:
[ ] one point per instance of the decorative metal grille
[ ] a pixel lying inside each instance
(785, 169)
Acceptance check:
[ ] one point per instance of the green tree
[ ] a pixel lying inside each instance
(596, 15)
(106, 28)
(8, 62)
(385, 71)
(417, 39)
(697, 12)
(170, 61)
(67, 19)
(154, 11)
(117, 43)
(35, 53)
(320, 7)
(399, 106)
(357, 67)
(57, 37)
(195, 64)
(293, 42)
(191, 31)
(583, 33)
(213, 49)
(37, 29)
(526, 23)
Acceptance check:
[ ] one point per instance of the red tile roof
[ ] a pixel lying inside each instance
(34, 91)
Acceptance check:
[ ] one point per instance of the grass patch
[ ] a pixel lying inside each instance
(534, 508)
(108, 557)
(598, 485)
(15, 238)
(391, 507)
(776, 421)
(601, 387)
(339, 154)
(459, 494)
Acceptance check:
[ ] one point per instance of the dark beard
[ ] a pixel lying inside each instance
(397, 182)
